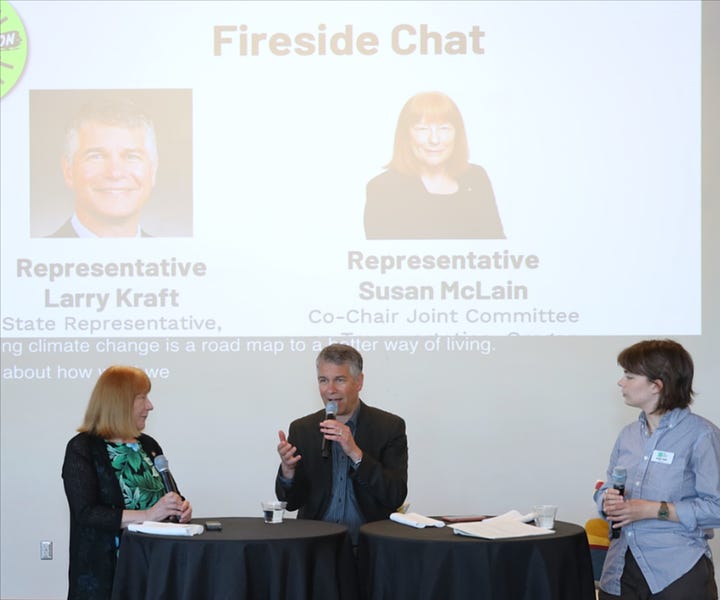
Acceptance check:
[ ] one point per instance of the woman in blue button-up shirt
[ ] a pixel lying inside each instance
(671, 499)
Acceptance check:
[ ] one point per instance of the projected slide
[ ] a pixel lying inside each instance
(334, 170)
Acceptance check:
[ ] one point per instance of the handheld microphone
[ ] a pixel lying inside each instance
(161, 464)
(330, 412)
(619, 475)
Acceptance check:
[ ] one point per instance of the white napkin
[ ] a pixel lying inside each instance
(158, 528)
(513, 515)
(415, 520)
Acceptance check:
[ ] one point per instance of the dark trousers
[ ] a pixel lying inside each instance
(697, 584)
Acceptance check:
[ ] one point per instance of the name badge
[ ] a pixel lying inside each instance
(659, 456)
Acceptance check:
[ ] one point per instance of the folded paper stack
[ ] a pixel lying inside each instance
(510, 524)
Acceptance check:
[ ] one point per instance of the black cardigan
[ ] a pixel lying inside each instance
(96, 507)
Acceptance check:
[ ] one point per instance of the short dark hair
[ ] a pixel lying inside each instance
(340, 354)
(667, 361)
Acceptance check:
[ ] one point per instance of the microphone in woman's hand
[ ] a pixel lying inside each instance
(619, 475)
(161, 464)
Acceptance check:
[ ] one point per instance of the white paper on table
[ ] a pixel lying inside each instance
(509, 524)
(162, 528)
(415, 520)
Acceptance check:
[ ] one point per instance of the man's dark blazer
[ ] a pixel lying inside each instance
(380, 483)
(68, 231)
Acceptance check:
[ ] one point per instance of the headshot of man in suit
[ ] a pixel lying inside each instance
(110, 162)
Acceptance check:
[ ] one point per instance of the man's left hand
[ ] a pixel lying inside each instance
(335, 431)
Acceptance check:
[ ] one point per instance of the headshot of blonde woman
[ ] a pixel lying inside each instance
(429, 189)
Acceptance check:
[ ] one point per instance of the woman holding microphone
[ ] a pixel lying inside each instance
(110, 480)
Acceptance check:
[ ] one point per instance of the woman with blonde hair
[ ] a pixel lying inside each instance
(430, 190)
(110, 480)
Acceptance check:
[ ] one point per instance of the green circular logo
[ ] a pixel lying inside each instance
(13, 47)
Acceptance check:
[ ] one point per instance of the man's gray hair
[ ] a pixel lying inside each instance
(120, 113)
(340, 354)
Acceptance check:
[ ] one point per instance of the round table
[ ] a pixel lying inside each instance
(399, 562)
(249, 559)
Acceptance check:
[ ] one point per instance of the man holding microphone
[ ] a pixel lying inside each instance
(364, 476)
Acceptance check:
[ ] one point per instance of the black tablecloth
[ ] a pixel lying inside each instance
(248, 559)
(398, 562)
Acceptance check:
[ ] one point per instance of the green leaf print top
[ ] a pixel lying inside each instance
(139, 480)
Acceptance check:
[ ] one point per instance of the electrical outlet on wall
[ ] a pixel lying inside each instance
(46, 550)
